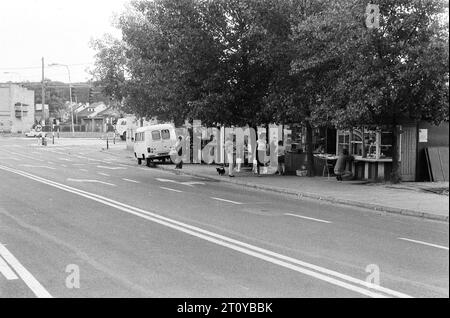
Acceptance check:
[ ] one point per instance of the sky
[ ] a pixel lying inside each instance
(58, 30)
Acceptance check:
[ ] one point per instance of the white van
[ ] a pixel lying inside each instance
(125, 124)
(154, 142)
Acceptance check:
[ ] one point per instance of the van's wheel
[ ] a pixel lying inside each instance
(139, 161)
(149, 162)
(124, 136)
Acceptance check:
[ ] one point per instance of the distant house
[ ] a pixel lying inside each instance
(97, 117)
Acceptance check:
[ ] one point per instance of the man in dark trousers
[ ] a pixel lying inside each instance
(342, 169)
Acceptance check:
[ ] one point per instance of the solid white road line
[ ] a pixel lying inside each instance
(321, 273)
(424, 243)
(170, 189)
(307, 218)
(24, 274)
(224, 200)
(103, 174)
(34, 166)
(7, 271)
(129, 180)
(84, 170)
(90, 181)
(8, 158)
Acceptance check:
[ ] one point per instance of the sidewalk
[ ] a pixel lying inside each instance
(413, 199)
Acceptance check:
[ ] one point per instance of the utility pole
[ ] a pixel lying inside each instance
(43, 95)
(70, 92)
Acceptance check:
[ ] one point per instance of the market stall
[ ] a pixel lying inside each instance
(371, 148)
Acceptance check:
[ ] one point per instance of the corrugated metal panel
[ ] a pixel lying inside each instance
(438, 163)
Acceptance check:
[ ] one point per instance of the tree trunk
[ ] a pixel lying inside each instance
(395, 176)
(309, 149)
(267, 133)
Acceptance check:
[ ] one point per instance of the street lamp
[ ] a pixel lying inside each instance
(12, 73)
(70, 91)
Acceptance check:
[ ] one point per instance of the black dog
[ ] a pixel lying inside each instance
(220, 171)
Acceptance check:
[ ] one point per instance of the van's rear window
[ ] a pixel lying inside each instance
(165, 134)
(156, 135)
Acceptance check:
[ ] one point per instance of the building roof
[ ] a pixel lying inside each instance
(86, 112)
(108, 112)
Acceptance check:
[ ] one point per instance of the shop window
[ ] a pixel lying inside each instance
(367, 142)
(386, 145)
(370, 143)
(343, 141)
(356, 142)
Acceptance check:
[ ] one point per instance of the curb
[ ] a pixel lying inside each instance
(301, 195)
(314, 196)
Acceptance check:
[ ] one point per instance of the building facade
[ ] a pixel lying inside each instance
(16, 108)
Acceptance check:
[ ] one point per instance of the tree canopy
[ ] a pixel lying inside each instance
(255, 62)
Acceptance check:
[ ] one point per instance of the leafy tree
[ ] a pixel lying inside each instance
(388, 74)
(110, 66)
(208, 60)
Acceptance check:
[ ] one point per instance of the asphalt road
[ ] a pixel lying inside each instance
(77, 222)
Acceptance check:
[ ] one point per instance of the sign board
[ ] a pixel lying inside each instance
(423, 135)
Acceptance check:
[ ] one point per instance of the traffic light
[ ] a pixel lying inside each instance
(73, 94)
(91, 95)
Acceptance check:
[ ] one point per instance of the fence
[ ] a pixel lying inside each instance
(78, 128)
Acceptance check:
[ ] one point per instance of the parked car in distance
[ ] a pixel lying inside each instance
(34, 133)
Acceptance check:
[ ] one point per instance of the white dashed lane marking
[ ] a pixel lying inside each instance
(129, 180)
(423, 243)
(224, 200)
(111, 168)
(170, 189)
(307, 218)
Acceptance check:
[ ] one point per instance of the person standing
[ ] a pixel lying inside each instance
(281, 152)
(261, 148)
(229, 150)
(179, 149)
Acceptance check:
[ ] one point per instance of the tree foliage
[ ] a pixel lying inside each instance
(254, 62)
